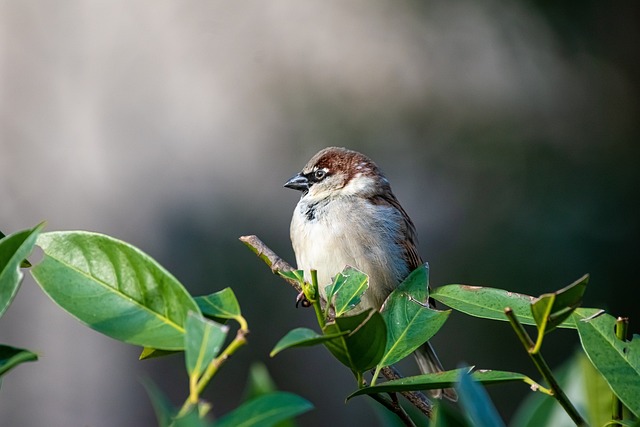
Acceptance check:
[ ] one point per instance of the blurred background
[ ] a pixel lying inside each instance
(509, 131)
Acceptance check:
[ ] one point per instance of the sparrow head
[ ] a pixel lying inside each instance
(338, 171)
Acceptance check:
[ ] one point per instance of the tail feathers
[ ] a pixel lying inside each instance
(428, 362)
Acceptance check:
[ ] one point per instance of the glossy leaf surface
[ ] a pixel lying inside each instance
(114, 288)
(302, 337)
(618, 361)
(363, 346)
(442, 380)
(221, 305)
(488, 303)
(550, 310)
(410, 322)
(347, 289)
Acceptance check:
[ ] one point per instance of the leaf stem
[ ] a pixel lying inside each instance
(617, 410)
(376, 373)
(543, 368)
(239, 340)
(315, 301)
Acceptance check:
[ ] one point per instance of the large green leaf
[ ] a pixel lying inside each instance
(618, 361)
(347, 288)
(14, 249)
(265, 411)
(488, 303)
(114, 288)
(302, 337)
(445, 379)
(410, 322)
(362, 348)
(10, 357)
(550, 310)
(476, 403)
(203, 341)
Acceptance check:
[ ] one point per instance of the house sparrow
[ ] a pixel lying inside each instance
(348, 215)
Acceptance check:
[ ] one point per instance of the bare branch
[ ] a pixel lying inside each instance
(270, 258)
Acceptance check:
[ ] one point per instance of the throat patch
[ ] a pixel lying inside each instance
(314, 210)
(310, 213)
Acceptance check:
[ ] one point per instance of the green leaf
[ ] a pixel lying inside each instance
(191, 419)
(410, 322)
(114, 288)
(415, 383)
(363, 347)
(13, 251)
(219, 305)
(297, 275)
(443, 380)
(259, 382)
(488, 303)
(302, 337)
(476, 403)
(203, 342)
(618, 361)
(265, 411)
(550, 310)
(152, 353)
(446, 416)
(10, 357)
(162, 407)
(597, 394)
(346, 290)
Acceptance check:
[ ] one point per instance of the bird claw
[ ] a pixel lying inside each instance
(301, 299)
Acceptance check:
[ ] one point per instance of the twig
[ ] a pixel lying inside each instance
(270, 258)
(417, 399)
(393, 406)
(622, 325)
(543, 368)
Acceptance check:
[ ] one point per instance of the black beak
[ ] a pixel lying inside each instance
(298, 182)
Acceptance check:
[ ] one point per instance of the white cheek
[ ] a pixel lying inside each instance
(358, 185)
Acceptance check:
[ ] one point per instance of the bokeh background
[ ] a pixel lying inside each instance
(509, 131)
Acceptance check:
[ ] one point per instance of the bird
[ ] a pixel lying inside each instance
(347, 215)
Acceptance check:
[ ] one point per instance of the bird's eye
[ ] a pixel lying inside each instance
(319, 174)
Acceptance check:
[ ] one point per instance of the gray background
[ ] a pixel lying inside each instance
(509, 131)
